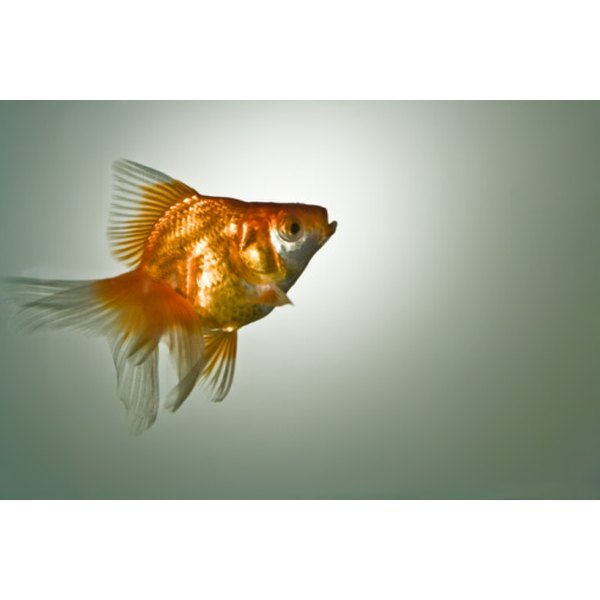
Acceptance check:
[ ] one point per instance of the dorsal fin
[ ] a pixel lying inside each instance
(141, 197)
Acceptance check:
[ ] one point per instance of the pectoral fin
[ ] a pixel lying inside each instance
(273, 296)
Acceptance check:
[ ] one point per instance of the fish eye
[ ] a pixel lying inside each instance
(290, 229)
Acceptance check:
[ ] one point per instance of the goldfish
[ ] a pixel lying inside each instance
(199, 268)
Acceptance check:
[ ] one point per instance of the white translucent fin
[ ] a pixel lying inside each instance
(141, 197)
(52, 304)
(137, 381)
(220, 353)
(134, 312)
(187, 354)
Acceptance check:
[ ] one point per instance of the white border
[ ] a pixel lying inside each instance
(299, 50)
(300, 549)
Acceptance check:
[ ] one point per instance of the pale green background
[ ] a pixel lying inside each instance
(444, 344)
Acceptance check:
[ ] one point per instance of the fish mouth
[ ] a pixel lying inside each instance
(329, 232)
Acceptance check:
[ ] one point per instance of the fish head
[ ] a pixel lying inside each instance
(296, 232)
(277, 241)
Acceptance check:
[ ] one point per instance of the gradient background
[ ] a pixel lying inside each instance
(444, 344)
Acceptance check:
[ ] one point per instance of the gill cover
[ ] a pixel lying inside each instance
(259, 261)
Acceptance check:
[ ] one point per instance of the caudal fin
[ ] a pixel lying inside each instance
(134, 312)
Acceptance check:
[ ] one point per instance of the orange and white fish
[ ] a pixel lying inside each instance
(202, 267)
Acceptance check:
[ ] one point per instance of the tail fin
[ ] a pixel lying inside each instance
(134, 312)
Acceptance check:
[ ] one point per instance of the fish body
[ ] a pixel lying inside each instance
(201, 267)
